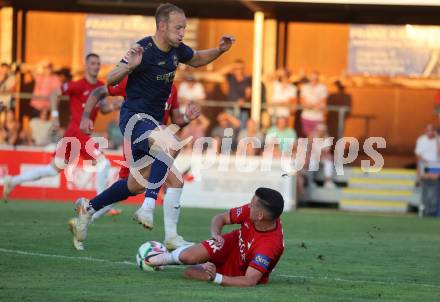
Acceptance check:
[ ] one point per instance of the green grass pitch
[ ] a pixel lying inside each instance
(329, 256)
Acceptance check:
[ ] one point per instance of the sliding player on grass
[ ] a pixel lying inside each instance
(243, 257)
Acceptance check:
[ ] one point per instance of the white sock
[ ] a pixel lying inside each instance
(34, 174)
(171, 211)
(176, 254)
(103, 168)
(149, 203)
(101, 212)
(168, 258)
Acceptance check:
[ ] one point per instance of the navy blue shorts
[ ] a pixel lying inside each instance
(142, 126)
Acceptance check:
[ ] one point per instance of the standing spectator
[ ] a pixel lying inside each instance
(286, 136)
(190, 90)
(45, 83)
(251, 130)
(225, 121)
(7, 84)
(313, 98)
(427, 146)
(339, 98)
(239, 89)
(427, 151)
(283, 95)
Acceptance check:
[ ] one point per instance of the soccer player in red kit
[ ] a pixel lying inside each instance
(73, 144)
(174, 186)
(243, 257)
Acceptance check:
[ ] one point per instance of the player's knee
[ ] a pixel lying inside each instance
(135, 188)
(173, 182)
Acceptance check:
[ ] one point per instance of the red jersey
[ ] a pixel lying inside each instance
(170, 105)
(247, 247)
(78, 91)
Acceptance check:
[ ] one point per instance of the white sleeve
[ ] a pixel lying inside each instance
(419, 147)
(323, 91)
(200, 92)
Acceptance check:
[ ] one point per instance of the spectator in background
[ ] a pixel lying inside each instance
(40, 129)
(64, 74)
(339, 98)
(427, 150)
(114, 134)
(251, 130)
(9, 129)
(225, 121)
(283, 95)
(239, 89)
(46, 81)
(196, 128)
(7, 84)
(321, 159)
(313, 98)
(286, 136)
(190, 90)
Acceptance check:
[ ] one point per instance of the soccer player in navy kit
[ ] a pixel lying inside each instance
(151, 65)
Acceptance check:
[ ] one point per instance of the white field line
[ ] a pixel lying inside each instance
(25, 253)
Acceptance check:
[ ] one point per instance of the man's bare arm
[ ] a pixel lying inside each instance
(204, 57)
(251, 278)
(131, 60)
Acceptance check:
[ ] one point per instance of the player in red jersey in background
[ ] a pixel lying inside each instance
(73, 144)
(174, 186)
(243, 257)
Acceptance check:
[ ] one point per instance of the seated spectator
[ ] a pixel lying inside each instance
(225, 121)
(251, 130)
(321, 157)
(313, 98)
(40, 129)
(196, 128)
(9, 129)
(190, 90)
(286, 136)
(114, 134)
(239, 89)
(283, 95)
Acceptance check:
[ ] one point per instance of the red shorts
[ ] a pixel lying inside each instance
(225, 257)
(124, 171)
(73, 144)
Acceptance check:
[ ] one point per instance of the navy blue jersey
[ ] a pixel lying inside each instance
(149, 85)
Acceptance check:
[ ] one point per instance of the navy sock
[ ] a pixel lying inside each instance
(116, 192)
(157, 178)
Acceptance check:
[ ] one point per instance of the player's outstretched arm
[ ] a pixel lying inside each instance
(204, 57)
(131, 60)
(251, 278)
(217, 224)
(98, 93)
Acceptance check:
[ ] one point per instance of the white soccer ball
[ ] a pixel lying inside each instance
(149, 248)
